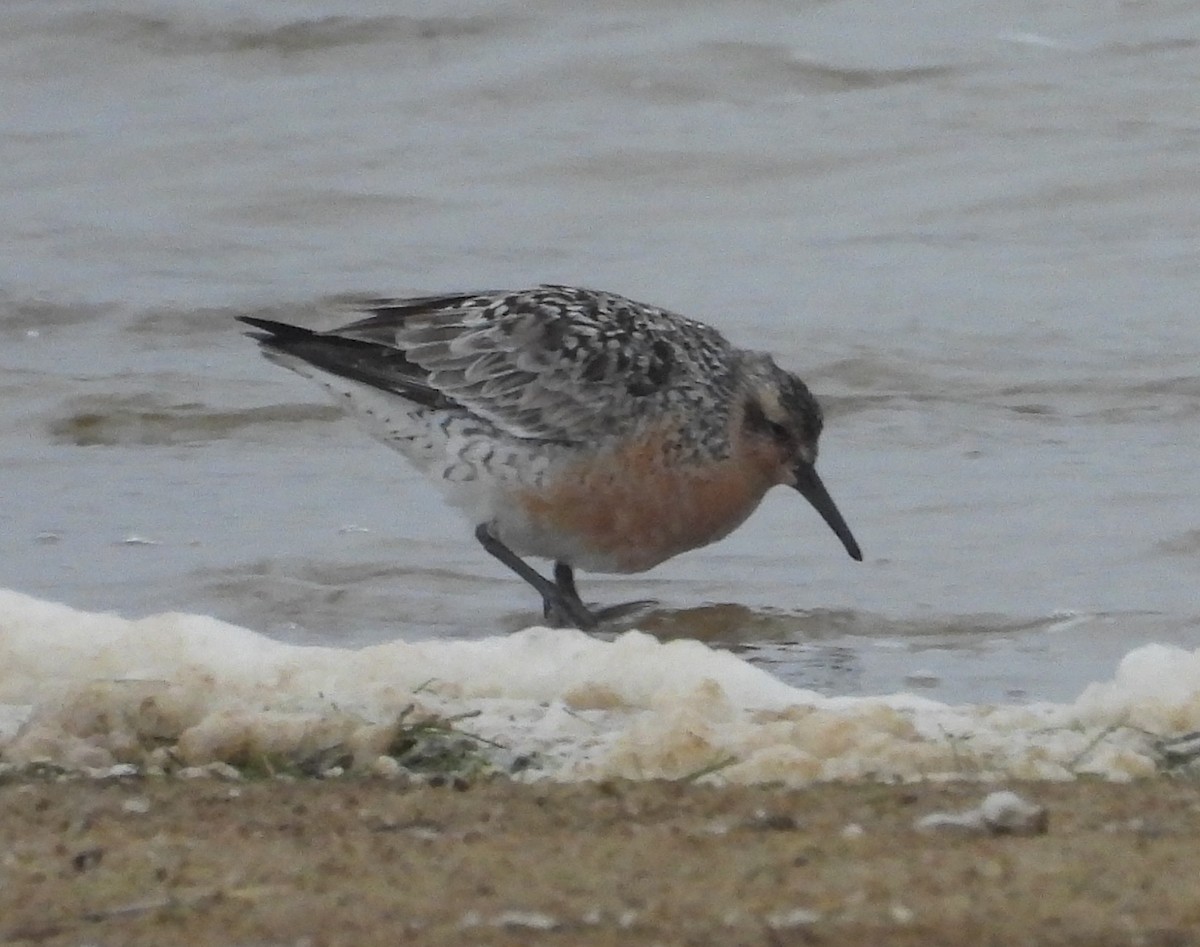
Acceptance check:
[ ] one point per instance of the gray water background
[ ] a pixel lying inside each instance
(973, 229)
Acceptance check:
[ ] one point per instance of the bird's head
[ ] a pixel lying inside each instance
(781, 422)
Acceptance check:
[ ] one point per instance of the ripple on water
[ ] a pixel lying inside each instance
(148, 419)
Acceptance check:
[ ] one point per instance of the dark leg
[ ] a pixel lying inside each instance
(559, 601)
(564, 577)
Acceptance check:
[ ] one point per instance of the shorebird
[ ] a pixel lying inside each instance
(570, 424)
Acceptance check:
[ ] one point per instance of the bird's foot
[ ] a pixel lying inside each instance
(624, 610)
(566, 613)
(561, 611)
(562, 605)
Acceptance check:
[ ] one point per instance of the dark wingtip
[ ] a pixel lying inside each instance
(272, 331)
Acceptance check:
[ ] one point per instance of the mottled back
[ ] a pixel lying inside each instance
(553, 363)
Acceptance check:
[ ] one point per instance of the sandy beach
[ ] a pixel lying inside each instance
(351, 861)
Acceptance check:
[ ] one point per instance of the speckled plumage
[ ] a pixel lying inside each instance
(555, 363)
(571, 424)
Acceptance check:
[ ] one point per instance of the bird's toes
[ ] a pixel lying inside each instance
(625, 610)
(561, 613)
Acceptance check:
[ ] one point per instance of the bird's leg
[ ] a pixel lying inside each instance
(565, 579)
(559, 601)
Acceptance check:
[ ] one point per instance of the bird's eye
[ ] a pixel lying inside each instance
(757, 420)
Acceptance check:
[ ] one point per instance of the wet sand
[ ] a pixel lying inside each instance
(362, 862)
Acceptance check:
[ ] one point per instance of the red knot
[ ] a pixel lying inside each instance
(572, 425)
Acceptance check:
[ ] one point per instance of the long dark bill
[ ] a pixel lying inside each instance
(813, 490)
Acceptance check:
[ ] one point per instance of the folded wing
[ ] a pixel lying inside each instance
(552, 363)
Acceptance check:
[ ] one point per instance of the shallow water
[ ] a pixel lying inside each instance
(972, 231)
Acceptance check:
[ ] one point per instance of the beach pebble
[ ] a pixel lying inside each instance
(1001, 813)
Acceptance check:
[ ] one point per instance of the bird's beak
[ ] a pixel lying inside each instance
(813, 490)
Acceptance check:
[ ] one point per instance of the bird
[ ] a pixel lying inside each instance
(569, 424)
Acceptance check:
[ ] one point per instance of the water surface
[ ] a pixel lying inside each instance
(972, 231)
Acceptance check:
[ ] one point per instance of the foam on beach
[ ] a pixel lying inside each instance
(86, 691)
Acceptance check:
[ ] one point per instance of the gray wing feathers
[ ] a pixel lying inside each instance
(555, 363)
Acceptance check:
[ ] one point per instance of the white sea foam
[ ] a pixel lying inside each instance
(85, 690)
